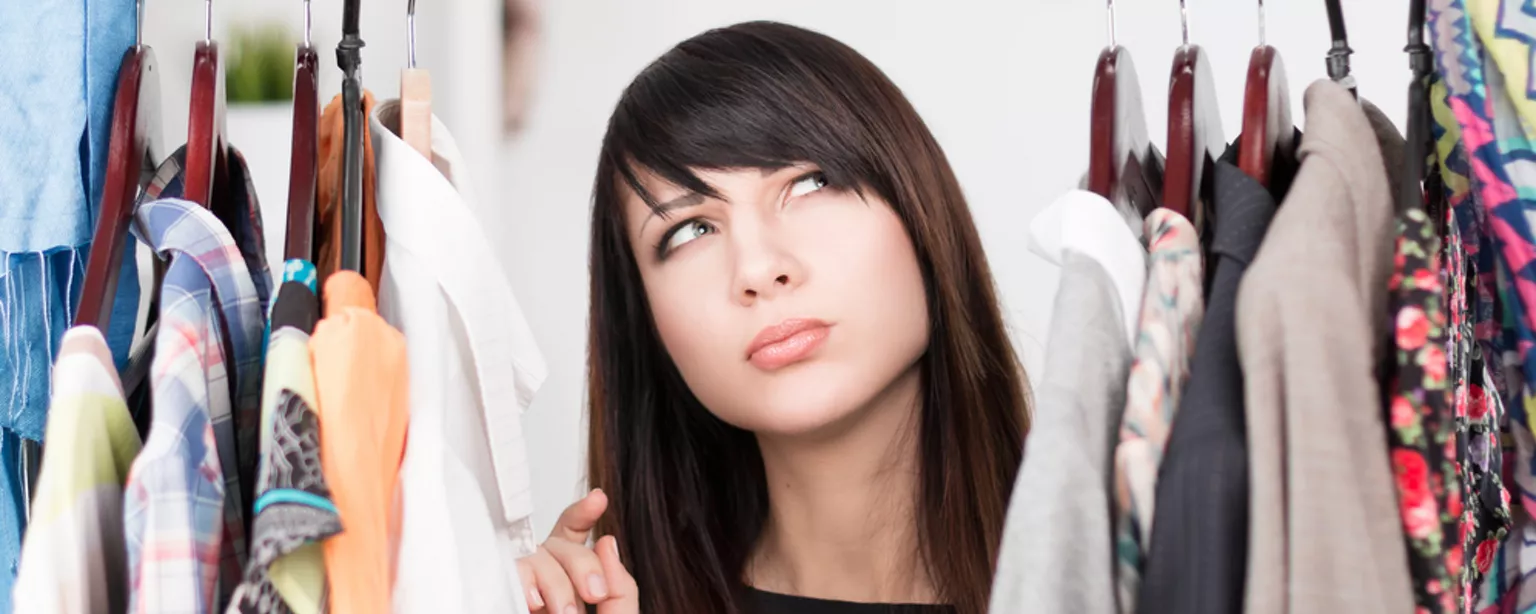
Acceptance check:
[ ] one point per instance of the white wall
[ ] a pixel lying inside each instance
(1003, 85)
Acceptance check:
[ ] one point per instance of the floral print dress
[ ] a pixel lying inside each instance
(1478, 411)
(1490, 572)
(1422, 434)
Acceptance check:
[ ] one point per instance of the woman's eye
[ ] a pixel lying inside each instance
(687, 231)
(807, 184)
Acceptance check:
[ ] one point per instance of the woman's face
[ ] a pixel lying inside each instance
(787, 305)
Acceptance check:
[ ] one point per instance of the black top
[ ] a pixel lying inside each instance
(763, 602)
(295, 306)
(1199, 547)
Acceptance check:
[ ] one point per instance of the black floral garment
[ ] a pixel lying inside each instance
(1421, 433)
(1479, 410)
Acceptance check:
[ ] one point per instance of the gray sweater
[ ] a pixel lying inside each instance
(1057, 553)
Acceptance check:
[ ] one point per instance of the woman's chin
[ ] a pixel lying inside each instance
(806, 407)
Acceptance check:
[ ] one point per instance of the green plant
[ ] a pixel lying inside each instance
(260, 65)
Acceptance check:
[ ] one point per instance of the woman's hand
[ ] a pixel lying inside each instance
(563, 573)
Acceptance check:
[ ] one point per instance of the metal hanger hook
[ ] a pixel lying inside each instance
(1110, 6)
(410, 31)
(1262, 41)
(1184, 20)
(139, 27)
(308, 20)
(208, 21)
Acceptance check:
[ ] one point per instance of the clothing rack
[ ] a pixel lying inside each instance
(349, 59)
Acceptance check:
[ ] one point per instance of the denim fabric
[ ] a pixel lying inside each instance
(56, 92)
(12, 514)
(38, 293)
(110, 26)
(42, 97)
(56, 89)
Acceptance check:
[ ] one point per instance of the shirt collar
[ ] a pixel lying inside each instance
(244, 223)
(1088, 224)
(425, 208)
(1243, 208)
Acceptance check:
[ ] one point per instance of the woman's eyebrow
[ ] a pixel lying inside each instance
(686, 200)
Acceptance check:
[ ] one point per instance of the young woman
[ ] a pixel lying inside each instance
(802, 393)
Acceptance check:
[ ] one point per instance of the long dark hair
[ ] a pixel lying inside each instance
(687, 491)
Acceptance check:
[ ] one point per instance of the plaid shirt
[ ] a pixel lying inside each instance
(181, 557)
(243, 221)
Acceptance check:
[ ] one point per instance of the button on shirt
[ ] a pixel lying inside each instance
(183, 511)
(474, 370)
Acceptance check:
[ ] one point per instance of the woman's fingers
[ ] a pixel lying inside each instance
(565, 572)
(576, 521)
(530, 578)
(554, 586)
(623, 595)
(582, 567)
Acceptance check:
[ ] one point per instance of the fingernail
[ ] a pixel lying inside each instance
(571, 609)
(598, 587)
(534, 598)
(613, 544)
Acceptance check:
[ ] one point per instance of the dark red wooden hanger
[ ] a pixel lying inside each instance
(1267, 126)
(205, 123)
(303, 163)
(1194, 131)
(1102, 158)
(136, 144)
(1118, 133)
(135, 147)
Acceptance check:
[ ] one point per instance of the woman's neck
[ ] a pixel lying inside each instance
(842, 518)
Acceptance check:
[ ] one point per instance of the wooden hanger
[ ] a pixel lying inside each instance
(1194, 128)
(415, 94)
(303, 168)
(205, 122)
(135, 148)
(136, 144)
(1118, 135)
(1267, 126)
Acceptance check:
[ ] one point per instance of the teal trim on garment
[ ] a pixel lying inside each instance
(290, 495)
(294, 269)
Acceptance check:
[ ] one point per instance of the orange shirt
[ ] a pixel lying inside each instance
(361, 386)
(328, 197)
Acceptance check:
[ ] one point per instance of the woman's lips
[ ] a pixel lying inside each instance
(787, 343)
